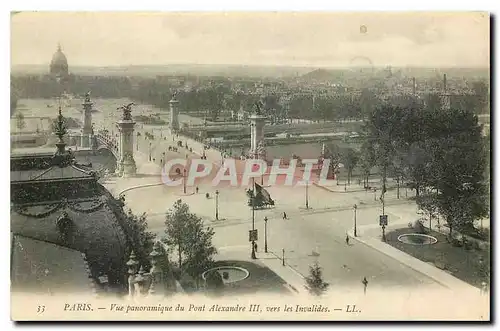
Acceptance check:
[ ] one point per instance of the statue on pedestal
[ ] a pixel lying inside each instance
(87, 97)
(258, 108)
(127, 111)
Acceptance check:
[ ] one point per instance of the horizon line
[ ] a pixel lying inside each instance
(256, 65)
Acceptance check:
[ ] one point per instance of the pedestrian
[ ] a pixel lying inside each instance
(347, 239)
(365, 284)
(196, 189)
(284, 216)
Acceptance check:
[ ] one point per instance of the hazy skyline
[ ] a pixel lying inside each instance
(286, 38)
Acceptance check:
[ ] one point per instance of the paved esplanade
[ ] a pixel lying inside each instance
(303, 235)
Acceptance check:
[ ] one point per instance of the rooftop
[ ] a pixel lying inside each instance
(40, 266)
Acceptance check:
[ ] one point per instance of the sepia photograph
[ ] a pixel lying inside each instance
(254, 166)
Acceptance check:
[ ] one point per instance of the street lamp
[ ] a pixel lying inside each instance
(307, 195)
(184, 181)
(150, 151)
(253, 218)
(355, 225)
(265, 234)
(216, 205)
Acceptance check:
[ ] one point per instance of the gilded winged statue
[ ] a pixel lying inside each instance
(259, 108)
(127, 111)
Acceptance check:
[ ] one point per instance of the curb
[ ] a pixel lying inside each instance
(138, 187)
(333, 191)
(287, 266)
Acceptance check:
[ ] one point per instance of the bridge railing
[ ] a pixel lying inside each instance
(109, 141)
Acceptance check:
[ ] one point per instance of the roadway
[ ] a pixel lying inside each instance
(317, 234)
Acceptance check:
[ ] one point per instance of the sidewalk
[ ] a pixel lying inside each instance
(371, 236)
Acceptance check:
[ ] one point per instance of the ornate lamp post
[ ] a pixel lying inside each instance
(355, 225)
(150, 151)
(253, 218)
(184, 181)
(307, 195)
(265, 234)
(216, 205)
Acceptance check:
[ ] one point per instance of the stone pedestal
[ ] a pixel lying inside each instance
(174, 115)
(126, 164)
(257, 123)
(86, 131)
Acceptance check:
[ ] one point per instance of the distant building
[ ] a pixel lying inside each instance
(59, 64)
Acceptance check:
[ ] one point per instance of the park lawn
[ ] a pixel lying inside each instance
(458, 261)
(260, 279)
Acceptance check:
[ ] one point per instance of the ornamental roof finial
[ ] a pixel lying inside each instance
(60, 128)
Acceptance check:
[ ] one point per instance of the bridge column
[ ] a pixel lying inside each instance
(87, 131)
(126, 164)
(257, 146)
(174, 114)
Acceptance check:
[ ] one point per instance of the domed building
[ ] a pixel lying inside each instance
(59, 64)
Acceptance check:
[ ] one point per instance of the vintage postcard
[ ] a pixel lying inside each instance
(250, 166)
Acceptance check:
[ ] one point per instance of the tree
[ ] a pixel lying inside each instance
(459, 167)
(382, 130)
(13, 100)
(481, 91)
(20, 122)
(350, 158)
(185, 233)
(367, 161)
(333, 153)
(315, 283)
(140, 239)
(213, 282)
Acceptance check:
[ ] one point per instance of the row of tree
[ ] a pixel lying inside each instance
(440, 153)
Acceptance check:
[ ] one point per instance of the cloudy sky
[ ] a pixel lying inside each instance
(315, 39)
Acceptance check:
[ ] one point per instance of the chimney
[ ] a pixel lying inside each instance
(444, 83)
(414, 86)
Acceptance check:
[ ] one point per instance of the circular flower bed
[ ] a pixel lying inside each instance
(229, 274)
(417, 239)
